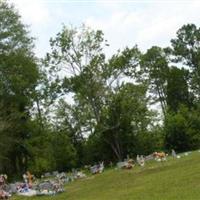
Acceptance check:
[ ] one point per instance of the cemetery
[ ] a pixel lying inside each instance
(58, 185)
(99, 100)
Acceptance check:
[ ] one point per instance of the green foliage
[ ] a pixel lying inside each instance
(92, 81)
(109, 115)
(154, 71)
(186, 48)
(182, 130)
(125, 119)
(125, 62)
(63, 152)
(50, 151)
(18, 78)
(148, 142)
(177, 89)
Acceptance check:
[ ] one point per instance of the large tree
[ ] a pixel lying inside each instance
(186, 49)
(78, 55)
(92, 80)
(126, 117)
(177, 92)
(18, 78)
(154, 71)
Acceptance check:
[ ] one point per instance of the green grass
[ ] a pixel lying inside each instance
(176, 179)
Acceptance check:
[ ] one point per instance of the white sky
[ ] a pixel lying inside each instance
(125, 23)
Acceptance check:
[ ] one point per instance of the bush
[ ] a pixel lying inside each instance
(182, 130)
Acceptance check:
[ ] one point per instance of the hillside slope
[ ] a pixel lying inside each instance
(176, 179)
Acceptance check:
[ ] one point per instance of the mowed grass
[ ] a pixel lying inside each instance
(176, 179)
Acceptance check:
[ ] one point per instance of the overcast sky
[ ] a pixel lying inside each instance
(124, 23)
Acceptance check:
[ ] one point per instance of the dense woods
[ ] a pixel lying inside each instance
(76, 106)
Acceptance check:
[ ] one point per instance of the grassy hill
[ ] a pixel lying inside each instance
(176, 179)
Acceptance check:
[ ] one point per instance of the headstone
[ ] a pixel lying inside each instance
(13, 188)
(47, 174)
(47, 185)
(121, 164)
(94, 169)
(149, 157)
(55, 173)
(138, 159)
(101, 167)
(81, 175)
(142, 161)
(174, 153)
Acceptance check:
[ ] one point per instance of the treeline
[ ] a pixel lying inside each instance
(76, 107)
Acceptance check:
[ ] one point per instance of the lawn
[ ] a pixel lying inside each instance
(175, 179)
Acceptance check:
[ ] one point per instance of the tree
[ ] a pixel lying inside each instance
(50, 151)
(18, 78)
(182, 130)
(154, 70)
(126, 117)
(89, 78)
(70, 120)
(79, 54)
(186, 49)
(177, 91)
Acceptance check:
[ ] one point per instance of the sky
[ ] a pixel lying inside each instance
(124, 22)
